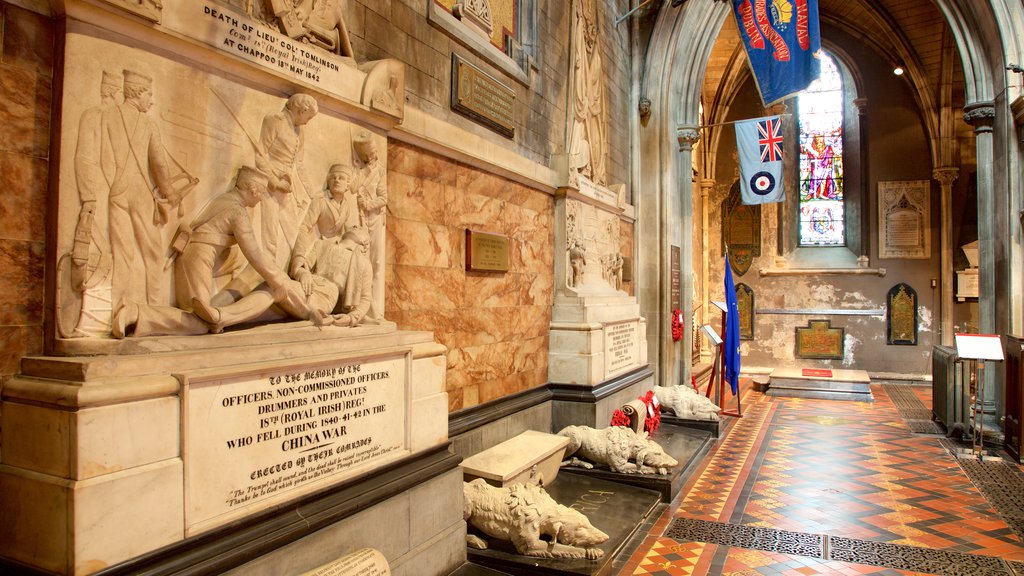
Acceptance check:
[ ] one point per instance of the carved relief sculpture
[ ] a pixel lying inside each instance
(615, 447)
(148, 9)
(140, 175)
(522, 513)
(685, 402)
(588, 146)
(223, 223)
(371, 191)
(477, 14)
(315, 22)
(577, 263)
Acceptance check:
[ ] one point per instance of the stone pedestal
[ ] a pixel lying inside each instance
(210, 431)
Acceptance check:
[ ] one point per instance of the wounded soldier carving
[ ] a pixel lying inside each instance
(222, 224)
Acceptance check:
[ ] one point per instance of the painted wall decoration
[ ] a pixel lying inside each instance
(901, 316)
(819, 340)
(741, 231)
(745, 300)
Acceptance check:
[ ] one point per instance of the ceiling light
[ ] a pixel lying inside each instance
(898, 70)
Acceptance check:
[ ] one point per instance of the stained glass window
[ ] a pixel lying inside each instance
(821, 159)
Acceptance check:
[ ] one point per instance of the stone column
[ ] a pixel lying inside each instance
(706, 186)
(982, 115)
(687, 136)
(865, 214)
(946, 176)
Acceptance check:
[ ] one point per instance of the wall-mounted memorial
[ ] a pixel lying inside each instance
(597, 333)
(904, 219)
(220, 344)
(741, 231)
(819, 340)
(901, 315)
(745, 300)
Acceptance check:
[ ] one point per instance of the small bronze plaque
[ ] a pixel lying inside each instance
(482, 98)
(820, 340)
(486, 252)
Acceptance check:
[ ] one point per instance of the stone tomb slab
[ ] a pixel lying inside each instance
(616, 509)
(684, 444)
(715, 427)
(827, 384)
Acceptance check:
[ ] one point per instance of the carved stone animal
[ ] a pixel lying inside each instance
(685, 402)
(616, 446)
(523, 513)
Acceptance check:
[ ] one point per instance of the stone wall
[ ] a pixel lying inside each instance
(495, 325)
(26, 76)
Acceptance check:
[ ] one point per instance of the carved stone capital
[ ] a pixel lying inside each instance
(862, 106)
(946, 176)
(981, 115)
(688, 136)
(706, 186)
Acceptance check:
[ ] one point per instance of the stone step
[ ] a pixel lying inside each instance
(824, 384)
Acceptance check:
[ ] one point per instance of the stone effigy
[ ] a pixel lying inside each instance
(616, 446)
(685, 402)
(522, 513)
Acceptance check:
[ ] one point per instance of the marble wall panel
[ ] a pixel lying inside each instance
(21, 281)
(23, 202)
(15, 342)
(494, 324)
(25, 100)
(27, 40)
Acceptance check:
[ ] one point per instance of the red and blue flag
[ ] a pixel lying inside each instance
(783, 39)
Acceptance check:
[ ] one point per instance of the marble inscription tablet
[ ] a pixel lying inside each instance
(259, 438)
(621, 347)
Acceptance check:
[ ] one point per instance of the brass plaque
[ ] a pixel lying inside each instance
(745, 302)
(901, 320)
(482, 98)
(486, 252)
(676, 279)
(820, 340)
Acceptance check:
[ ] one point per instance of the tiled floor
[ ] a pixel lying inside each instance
(850, 478)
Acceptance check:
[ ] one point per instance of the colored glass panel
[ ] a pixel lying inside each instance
(822, 210)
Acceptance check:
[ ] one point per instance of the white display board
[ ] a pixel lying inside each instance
(979, 347)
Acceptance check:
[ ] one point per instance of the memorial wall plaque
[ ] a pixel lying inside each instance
(741, 231)
(621, 347)
(820, 340)
(676, 279)
(904, 219)
(745, 301)
(482, 98)
(259, 438)
(486, 252)
(901, 319)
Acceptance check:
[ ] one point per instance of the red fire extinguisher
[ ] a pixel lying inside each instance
(677, 325)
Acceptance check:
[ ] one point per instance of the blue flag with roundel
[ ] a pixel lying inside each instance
(760, 145)
(783, 42)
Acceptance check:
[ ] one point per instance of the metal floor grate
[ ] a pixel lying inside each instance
(852, 550)
(911, 409)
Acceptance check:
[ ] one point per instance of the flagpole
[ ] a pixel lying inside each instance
(703, 126)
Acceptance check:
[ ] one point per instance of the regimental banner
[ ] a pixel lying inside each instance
(621, 347)
(819, 340)
(782, 39)
(257, 439)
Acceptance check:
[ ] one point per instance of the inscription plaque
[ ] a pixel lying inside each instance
(621, 347)
(676, 279)
(904, 219)
(901, 321)
(741, 231)
(745, 302)
(820, 340)
(482, 98)
(264, 437)
(486, 252)
(233, 32)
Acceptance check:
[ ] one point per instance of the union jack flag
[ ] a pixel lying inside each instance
(769, 136)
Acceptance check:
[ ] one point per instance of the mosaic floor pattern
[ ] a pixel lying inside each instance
(806, 486)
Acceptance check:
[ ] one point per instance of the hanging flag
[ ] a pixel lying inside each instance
(782, 42)
(732, 331)
(759, 142)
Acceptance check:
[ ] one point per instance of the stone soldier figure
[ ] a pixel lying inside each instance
(371, 190)
(328, 216)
